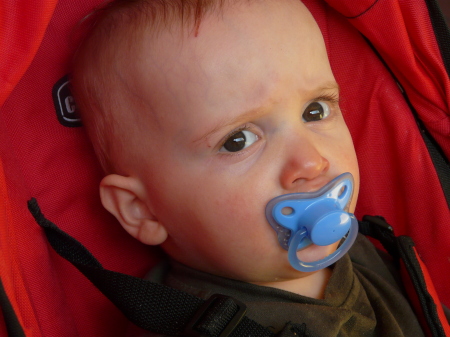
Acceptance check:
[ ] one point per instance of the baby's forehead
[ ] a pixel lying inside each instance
(228, 52)
(151, 66)
(148, 22)
(215, 50)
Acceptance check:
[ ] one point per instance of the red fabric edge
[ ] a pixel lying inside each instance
(13, 283)
(432, 291)
(415, 299)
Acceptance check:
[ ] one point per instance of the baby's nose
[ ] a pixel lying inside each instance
(303, 163)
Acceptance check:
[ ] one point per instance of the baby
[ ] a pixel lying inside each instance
(201, 112)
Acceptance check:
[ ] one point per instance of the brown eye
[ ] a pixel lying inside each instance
(316, 111)
(239, 141)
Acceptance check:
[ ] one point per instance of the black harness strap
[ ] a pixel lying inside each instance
(402, 249)
(376, 227)
(156, 307)
(412, 265)
(168, 311)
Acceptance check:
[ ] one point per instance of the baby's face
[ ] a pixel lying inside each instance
(239, 114)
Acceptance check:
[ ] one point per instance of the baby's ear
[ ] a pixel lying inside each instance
(123, 198)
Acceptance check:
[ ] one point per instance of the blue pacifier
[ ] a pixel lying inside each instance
(320, 217)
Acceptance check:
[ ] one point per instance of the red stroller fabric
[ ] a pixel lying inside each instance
(41, 158)
(401, 177)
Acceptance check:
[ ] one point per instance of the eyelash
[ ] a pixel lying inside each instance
(331, 98)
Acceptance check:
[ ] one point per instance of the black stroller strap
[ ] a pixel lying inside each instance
(376, 227)
(402, 248)
(156, 307)
(161, 309)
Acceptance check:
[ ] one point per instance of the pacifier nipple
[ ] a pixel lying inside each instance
(319, 218)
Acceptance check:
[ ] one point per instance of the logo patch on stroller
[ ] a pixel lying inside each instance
(66, 109)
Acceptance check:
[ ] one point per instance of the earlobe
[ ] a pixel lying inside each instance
(123, 197)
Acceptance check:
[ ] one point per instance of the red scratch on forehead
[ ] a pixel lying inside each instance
(198, 19)
(197, 28)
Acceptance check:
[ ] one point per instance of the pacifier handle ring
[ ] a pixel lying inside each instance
(325, 262)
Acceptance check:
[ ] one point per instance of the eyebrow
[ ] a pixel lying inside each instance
(329, 86)
(240, 119)
(258, 112)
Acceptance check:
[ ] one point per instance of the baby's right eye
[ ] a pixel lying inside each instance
(239, 141)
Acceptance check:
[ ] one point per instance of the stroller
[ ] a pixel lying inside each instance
(391, 59)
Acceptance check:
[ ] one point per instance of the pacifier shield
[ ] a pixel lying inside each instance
(318, 217)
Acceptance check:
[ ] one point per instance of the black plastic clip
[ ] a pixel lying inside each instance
(380, 222)
(377, 228)
(207, 313)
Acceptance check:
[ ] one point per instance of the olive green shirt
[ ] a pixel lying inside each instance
(364, 297)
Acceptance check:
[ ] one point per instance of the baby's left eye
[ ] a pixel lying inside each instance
(239, 141)
(316, 111)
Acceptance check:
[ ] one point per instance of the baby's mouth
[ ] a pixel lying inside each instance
(313, 252)
(319, 217)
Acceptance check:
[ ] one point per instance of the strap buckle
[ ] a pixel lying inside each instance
(210, 315)
(378, 228)
(380, 222)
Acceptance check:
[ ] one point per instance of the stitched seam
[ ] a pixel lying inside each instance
(364, 12)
